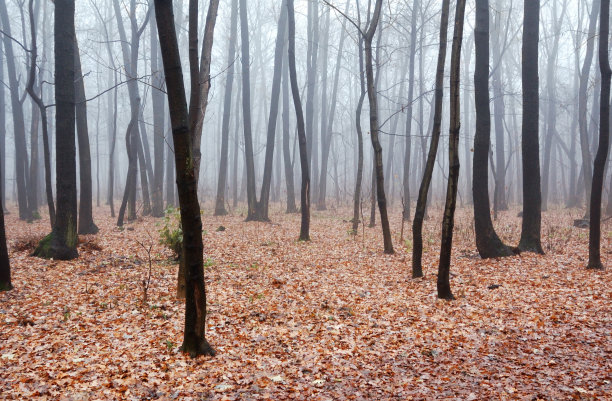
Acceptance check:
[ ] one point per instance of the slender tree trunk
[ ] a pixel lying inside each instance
(488, 243)
(359, 178)
(532, 199)
(33, 180)
(86, 223)
(419, 213)
(157, 98)
(604, 139)
(194, 340)
(61, 243)
(5, 265)
(297, 103)
(291, 207)
(225, 129)
(264, 198)
(446, 247)
(2, 135)
(21, 153)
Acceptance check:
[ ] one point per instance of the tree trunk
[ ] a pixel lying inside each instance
(157, 98)
(419, 213)
(532, 200)
(297, 103)
(21, 153)
(194, 340)
(227, 102)
(5, 265)
(86, 223)
(604, 139)
(446, 247)
(61, 243)
(488, 243)
(2, 135)
(359, 178)
(291, 207)
(264, 197)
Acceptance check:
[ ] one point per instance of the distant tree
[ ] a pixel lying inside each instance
(86, 222)
(419, 213)
(487, 241)
(159, 127)
(21, 154)
(297, 103)
(604, 140)
(62, 241)
(448, 221)
(532, 198)
(194, 339)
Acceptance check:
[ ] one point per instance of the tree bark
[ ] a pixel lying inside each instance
(288, 164)
(419, 213)
(448, 221)
(532, 198)
(62, 241)
(488, 243)
(194, 340)
(5, 265)
(159, 113)
(604, 140)
(297, 103)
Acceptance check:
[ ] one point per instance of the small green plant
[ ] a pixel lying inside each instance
(171, 233)
(170, 345)
(408, 244)
(209, 262)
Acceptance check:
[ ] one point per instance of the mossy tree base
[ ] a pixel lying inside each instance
(5, 286)
(51, 248)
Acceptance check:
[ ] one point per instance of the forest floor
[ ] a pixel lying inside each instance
(333, 318)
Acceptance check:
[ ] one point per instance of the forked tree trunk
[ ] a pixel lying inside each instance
(194, 339)
(297, 103)
(532, 199)
(604, 139)
(448, 221)
(291, 207)
(488, 243)
(62, 241)
(419, 213)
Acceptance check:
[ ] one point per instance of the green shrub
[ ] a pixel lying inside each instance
(171, 233)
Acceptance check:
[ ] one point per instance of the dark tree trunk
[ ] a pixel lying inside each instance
(604, 139)
(170, 175)
(61, 243)
(194, 340)
(86, 223)
(373, 193)
(5, 265)
(359, 178)
(532, 199)
(488, 243)
(291, 207)
(2, 134)
(312, 55)
(264, 198)
(21, 153)
(448, 221)
(419, 213)
(227, 112)
(33, 174)
(142, 164)
(297, 103)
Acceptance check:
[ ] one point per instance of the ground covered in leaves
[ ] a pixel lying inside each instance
(333, 318)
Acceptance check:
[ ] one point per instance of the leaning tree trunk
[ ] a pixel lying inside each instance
(86, 223)
(62, 241)
(604, 139)
(227, 112)
(419, 213)
(532, 198)
(359, 178)
(288, 164)
(297, 103)
(194, 340)
(488, 243)
(446, 247)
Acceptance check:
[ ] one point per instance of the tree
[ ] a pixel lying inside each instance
(227, 112)
(287, 162)
(21, 154)
(488, 243)
(372, 94)
(297, 103)
(62, 241)
(86, 222)
(159, 113)
(194, 339)
(448, 221)
(5, 265)
(419, 213)
(532, 198)
(604, 140)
